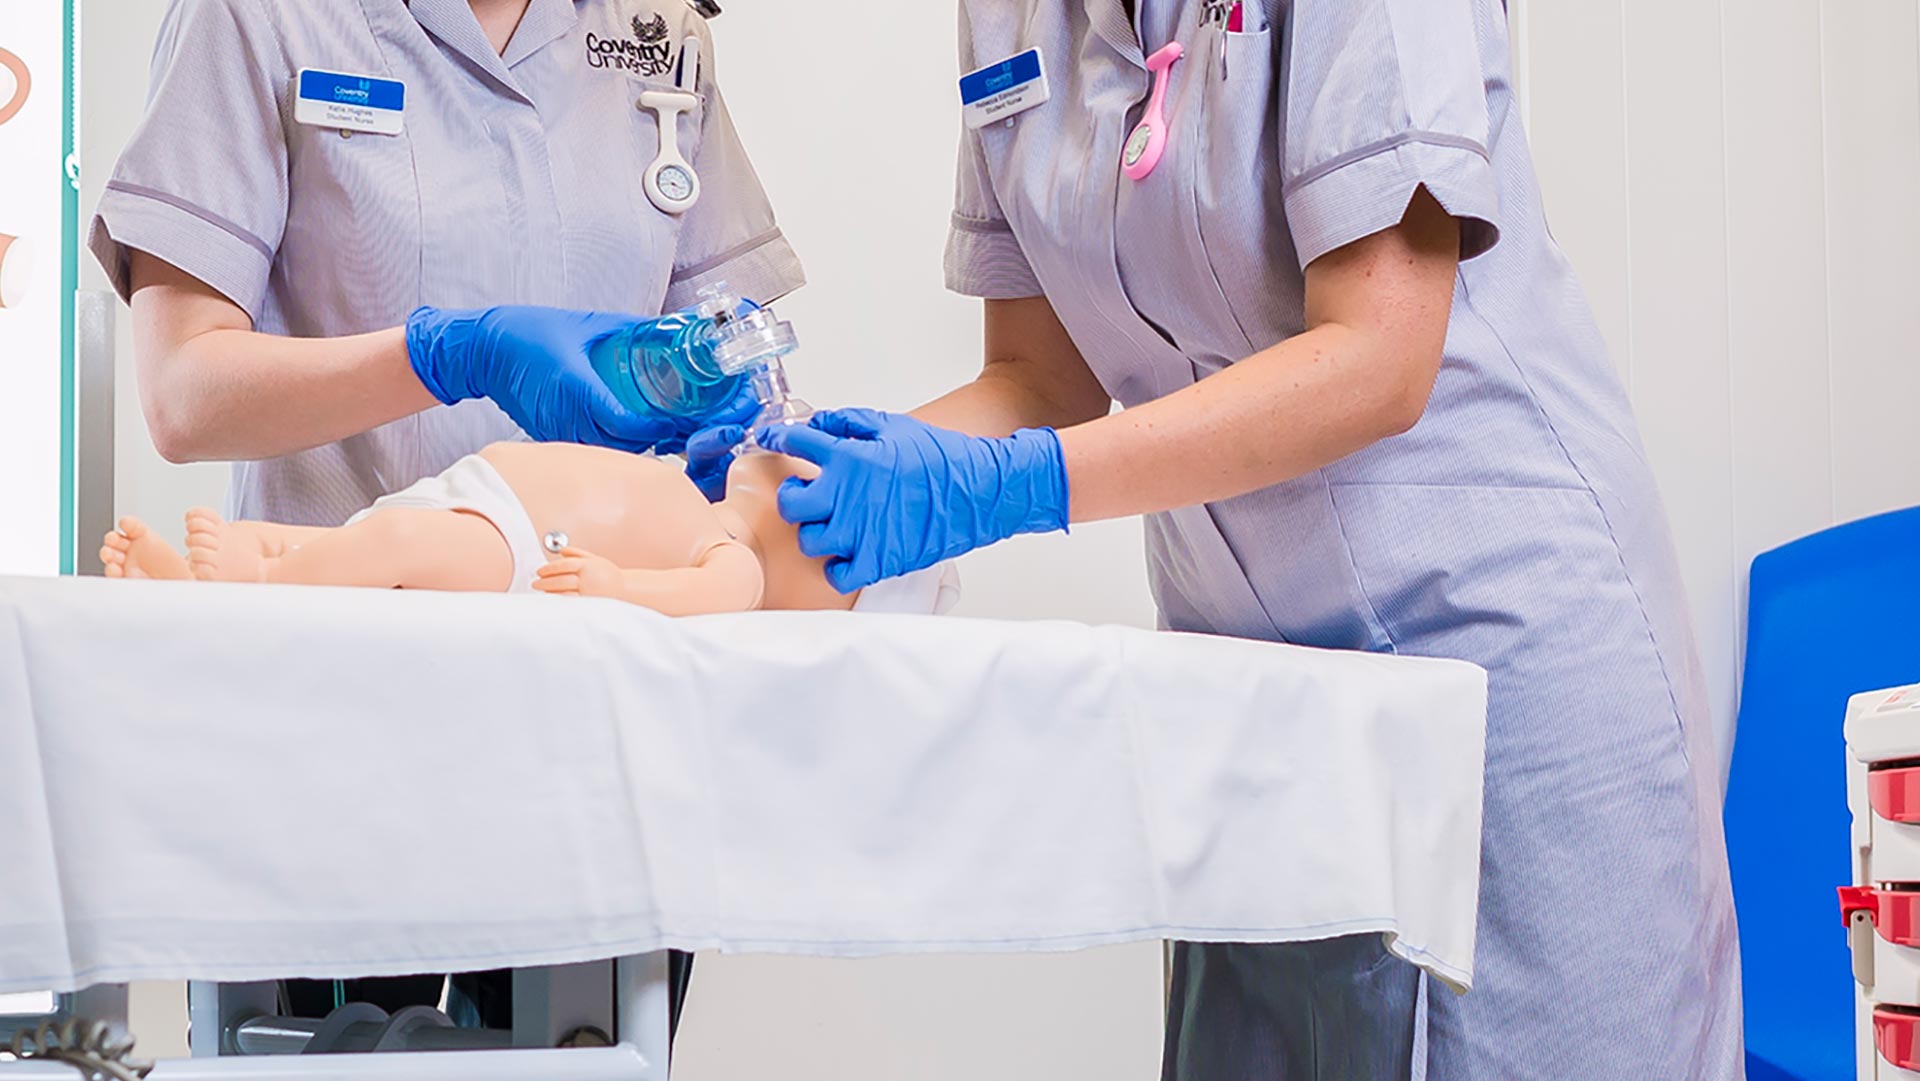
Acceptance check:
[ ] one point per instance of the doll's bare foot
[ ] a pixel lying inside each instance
(223, 551)
(132, 551)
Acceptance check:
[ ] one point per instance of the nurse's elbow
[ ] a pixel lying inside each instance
(1406, 412)
(1407, 403)
(174, 425)
(173, 439)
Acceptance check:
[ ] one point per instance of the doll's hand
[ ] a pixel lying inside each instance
(577, 572)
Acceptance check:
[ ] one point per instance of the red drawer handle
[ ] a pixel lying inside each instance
(1858, 899)
(1895, 793)
(1894, 1036)
(1895, 913)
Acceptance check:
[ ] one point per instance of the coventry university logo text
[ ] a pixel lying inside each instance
(648, 53)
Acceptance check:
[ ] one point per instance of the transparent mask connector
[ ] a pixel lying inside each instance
(752, 339)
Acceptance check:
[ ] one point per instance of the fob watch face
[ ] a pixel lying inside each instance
(676, 183)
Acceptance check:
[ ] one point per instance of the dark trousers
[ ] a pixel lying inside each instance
(1342, 1009)
(489, 993)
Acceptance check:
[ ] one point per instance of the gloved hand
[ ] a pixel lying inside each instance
(896, 495)
(532, 362)
(709, 447)
(710, 455)
(738, 410)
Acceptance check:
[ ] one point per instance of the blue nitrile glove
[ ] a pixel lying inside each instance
(710, 455)
(741, 408)
(532, 362)
(709, 442)
(896, 495)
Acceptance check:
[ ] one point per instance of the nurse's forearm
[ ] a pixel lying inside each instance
(213, 389)
(1377, 312)
(235, 395)
(1301, 405)
(1033, 378)
(994, 404)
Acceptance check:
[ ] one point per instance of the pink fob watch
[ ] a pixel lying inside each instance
(1149, 139)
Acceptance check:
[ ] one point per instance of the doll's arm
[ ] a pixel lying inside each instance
(726, 578)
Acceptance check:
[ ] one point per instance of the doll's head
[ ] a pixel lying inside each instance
(753, 503)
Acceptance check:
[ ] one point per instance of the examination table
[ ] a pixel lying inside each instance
(531, 781)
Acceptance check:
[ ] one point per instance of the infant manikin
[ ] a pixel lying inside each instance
(551, 517)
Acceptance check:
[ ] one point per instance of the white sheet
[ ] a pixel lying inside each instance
(231, 782)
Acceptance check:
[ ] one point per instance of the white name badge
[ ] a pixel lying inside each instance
(999, 91)
(330, 99)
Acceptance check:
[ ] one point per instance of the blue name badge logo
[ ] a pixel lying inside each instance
(331, 99)
(1001, 91)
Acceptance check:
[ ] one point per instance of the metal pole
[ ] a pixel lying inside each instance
(276, 1035)
(215, 1009)
(293, 1035)
(93, 318)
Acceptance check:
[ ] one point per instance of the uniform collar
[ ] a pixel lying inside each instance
(546, 21)
(1109, 20)
(453, 23)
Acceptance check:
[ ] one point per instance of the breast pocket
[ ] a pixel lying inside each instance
(1236, 184)
(353, 236)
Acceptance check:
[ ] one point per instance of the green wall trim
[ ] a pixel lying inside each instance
(69, 286)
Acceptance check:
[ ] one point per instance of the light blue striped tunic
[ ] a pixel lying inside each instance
(517, 180)
(1517, 525)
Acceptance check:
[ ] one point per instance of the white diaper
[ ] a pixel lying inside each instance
(931, 592)
(473, 485)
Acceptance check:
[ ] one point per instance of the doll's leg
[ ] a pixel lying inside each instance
(132, 551)
(273, 538)
(394, 548)
(224, 551)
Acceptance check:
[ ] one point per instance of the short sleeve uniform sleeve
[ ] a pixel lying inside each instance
(983, 256)
(203, 182)
(730, 235)
(1382, 97)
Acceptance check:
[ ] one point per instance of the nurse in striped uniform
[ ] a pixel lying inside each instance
(278, 259)
(342, 301)
(1366, 407)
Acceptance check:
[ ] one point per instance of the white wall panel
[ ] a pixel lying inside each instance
(1681, 374)
(1777, 276)
(1872, 81)
(1572, 54)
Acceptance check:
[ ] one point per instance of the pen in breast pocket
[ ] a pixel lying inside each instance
(1234, 23)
